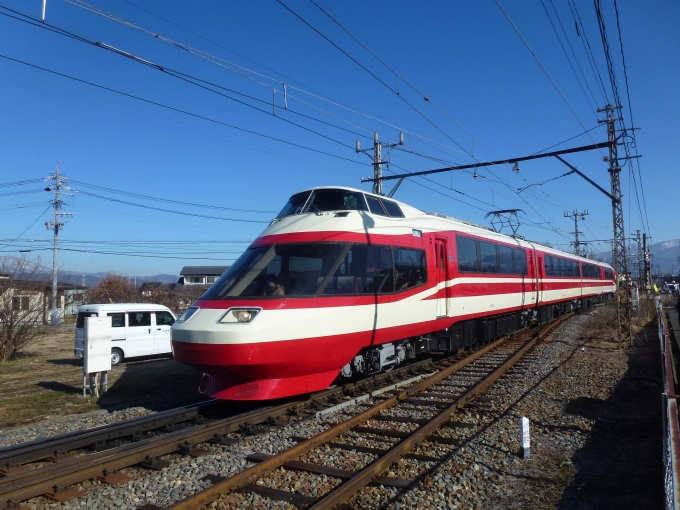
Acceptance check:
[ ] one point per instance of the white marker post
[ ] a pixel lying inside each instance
(525, 443)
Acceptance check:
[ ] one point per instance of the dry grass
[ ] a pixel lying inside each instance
(46, 381)
(601, 326)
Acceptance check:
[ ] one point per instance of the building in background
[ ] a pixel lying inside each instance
(200, 275)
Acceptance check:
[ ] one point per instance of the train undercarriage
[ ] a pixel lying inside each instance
(461, 335)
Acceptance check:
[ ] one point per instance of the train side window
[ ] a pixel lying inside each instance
(551, 266)
(410, 268)
(364, 270)
(562, 265)
(520, 261)
(392, 209)
(466, 249)
(374, 206)
(505, 255)
(489, 256)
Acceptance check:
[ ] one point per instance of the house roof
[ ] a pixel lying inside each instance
(203, 270)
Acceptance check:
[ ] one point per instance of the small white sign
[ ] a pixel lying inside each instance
(524, 440)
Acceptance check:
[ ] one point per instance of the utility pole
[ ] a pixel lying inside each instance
(577, 242)
(378, 161)
(620, 256)
(57, 187)
(648, 280)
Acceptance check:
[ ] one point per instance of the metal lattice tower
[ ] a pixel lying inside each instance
(619, 252)
(575, 215)
(58, 187)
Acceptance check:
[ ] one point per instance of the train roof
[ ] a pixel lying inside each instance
(416, 218)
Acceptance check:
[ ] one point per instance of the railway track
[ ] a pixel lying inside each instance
(443, 394)
(47, 467)
(100, 452)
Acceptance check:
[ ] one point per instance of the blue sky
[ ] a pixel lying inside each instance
(465, 56)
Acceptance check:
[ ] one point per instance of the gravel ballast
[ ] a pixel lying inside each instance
(594, 423)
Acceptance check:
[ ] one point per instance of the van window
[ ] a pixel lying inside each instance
(164, 319)
(80, 320)
(117, 319)
(137, 319)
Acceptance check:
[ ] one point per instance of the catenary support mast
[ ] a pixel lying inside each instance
(619, 252)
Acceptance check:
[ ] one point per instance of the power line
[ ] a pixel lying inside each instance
(178, 110)
(583, 35)
(545, 71)
(559, 39)
(20, 183)
(390, 88)
(630, 110)
(193, 80)
(27, 228)
(166, 200)
(168, 210)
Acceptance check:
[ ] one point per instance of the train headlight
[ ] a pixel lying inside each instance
(239, 315)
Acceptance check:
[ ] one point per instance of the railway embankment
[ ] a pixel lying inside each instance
(595, 441)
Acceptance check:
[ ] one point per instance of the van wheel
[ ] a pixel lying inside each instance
(116, 357)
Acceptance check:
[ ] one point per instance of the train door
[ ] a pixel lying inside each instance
(539, 277)
(441, 256)
(531, 281)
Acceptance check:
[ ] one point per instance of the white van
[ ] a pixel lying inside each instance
(139, 329)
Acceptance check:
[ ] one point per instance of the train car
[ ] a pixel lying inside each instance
(344, 282)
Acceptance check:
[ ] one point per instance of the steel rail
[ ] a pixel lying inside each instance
(21, 453)
(24, 485)
(365, 476)
(360, 479)
(208, 495)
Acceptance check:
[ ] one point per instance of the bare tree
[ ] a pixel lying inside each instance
(22, 305)
(113, 288)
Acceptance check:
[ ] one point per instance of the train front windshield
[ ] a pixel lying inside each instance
(282, 269)
(314, 269)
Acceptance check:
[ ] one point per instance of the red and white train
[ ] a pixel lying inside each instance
(345, 282)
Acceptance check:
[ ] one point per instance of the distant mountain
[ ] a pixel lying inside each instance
(664, 254)
(76, 277)
(92, 279)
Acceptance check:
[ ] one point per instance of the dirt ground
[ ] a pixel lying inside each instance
(47, 381)
(620, 464)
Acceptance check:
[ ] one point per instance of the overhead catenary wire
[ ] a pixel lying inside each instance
(314, 94)
(166, 200)
(400, 96)
(111, 199)
(179, 110)
(632, 121)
